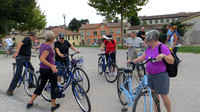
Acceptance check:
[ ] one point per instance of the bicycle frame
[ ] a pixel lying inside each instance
(104, 63)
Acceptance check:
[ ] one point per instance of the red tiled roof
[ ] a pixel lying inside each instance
(52, 27)
(154, 26)
(94, 26)
(180, 14)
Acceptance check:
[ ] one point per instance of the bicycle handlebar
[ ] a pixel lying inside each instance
(110, 51)
(141, 64)
(66, 55)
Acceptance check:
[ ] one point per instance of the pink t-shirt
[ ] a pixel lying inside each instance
(159, 66)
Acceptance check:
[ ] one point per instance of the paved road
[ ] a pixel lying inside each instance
(184, 89)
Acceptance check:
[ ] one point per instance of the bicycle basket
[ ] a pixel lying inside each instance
(79, 61)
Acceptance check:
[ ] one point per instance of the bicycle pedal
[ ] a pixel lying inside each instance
(124, 109)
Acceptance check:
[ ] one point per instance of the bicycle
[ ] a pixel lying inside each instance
(110, 69)
(144, 99)
(11, 51)
(79, 93)
(28, 78)
(139, 71)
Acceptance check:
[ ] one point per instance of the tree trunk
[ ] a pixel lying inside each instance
(122, 37)
(6, 25)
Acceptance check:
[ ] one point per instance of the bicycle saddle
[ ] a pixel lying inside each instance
(126, 70)
(102, 54)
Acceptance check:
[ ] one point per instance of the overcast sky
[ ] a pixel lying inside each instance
(79, 9)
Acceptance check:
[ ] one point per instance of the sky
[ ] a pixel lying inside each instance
(79, 9)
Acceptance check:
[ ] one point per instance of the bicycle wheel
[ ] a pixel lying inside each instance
(121, 79)
(111, 72)
(139, 73)
(81, 97)
(100, 65)
(82, 78)
(30, 82)
(46, 93)
(142, 102)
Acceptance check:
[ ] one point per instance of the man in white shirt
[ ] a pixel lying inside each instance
(9, 43)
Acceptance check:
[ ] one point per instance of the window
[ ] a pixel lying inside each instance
(173, 19)
(167, 20)
(77, 37)
(118, 39)
(156, 21)
(88, 41)
(118, 31)
(95, 40)
(111, 32)
(162, 21)
(68, 37)
(102, 32)
(150, 22)
(94, 33)
(72, 37)
(88, 33)
(124, 31)
(82, 34)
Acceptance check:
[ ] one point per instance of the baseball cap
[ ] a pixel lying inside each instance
(61, 35)
(107, 36)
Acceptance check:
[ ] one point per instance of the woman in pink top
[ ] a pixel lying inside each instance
(158, 78)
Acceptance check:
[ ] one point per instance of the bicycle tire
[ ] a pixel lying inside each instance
(121, 79)
(139, 102)
(109, 75)
(139, 73)
(80, 94)
(81, 76)
(100, 66)
(30, 80)
(46, 93)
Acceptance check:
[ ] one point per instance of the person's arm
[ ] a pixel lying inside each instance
(102, 47)
(168, 58)
(139, 59)
(17, 50)
(73, 48)
(43, 60)
(58, 52)
(175, 40)
(127, 46)
(167, 39)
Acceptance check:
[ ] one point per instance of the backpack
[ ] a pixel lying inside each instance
(172, 69)
(179, 39)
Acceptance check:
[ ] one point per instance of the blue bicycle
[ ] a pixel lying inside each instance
(69, 78)
(143, 97)
(110, 69)
(28, 78)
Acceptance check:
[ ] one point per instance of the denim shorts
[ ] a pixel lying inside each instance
(61, 70)
(159, 82)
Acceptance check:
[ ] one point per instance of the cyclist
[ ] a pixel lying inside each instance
(110, 46)
(23, 50)
(9, 43)
(158, 78)
(134, 43)
(62, 47)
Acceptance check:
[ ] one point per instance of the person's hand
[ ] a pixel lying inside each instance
(102, 49)
(61, 55)
(128, 61)
(160, 57)
(78, 51)
(15, 55)
(53, 68)
(128, 46)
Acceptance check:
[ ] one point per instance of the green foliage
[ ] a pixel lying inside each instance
(134, 20)
(74, 25)
(84, 21)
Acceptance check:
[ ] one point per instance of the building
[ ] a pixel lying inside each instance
(92, 33)
(73, 37)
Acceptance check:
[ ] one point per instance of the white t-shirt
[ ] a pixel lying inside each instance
(136, 42)
(9, 42)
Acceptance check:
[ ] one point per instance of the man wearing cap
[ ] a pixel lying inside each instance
(134, 43)
(62, 47)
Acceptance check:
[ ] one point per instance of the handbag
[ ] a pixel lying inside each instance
(179, 41)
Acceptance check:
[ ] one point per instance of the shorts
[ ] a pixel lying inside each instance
(8, 47)
(61, 70)
(159, 83)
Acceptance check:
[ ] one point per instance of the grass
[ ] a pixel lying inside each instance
(189, 49)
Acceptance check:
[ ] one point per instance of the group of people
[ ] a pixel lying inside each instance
(48, 70)
(158, 79)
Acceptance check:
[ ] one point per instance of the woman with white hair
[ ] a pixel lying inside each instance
(47, 71)
(158, 78)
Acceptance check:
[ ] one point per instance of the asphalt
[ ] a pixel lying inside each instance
(184, 89)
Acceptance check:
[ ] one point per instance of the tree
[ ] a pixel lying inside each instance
(134, 20)
(15, 10)
(35, 21)
(84, 21)
(112, 8)
(74, 25)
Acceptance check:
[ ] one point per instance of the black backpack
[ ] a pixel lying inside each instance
(172, 69)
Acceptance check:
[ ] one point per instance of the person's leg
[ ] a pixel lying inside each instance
(175, 51)
(7, 50)
(166, 102)
(60, 72)
(13, 84)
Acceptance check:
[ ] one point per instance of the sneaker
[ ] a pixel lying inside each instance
(9, 92)
(29, 105)
(114, 74)
(54, 108)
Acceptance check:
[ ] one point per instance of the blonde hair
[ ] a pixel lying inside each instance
(49, 36)
(174, 27)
